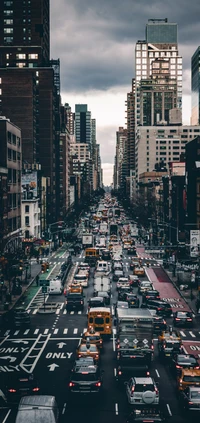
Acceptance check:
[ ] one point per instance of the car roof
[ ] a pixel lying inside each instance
(96, 299)
(36, 400)
(143, 380)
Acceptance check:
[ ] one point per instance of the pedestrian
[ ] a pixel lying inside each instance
(37, 280)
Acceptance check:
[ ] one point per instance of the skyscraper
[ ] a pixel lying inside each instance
(195, 119)
(24, 33)
(83, 128)
(158, 69)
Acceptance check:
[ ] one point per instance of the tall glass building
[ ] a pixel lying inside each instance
(158, 71)
(195, 82)
(83, 126)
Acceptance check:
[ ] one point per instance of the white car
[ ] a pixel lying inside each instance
(145, 286)
(123, 282)
(142, 390)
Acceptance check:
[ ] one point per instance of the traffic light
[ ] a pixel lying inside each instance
(20, 265)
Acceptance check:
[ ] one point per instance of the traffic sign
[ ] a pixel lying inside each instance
(44, 282)
(44, 289)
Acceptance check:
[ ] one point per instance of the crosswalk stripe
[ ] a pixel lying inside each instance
(55, 331)
(114, 331)
(192, 334)
(65, 311)
(36, 331)
(75, 331)
(65, 331)
(71, 312)
(7, 332)
(79, 312)
(182, 334)
(35, 311)
(28, 311)
(46, 331)
(62, 305)
(26, 331)
(16, 332)
(58, 311)
(84, 330)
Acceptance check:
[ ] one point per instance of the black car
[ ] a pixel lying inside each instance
(74, 301)
(130, 364)
(122, 293)
(152, 294)
(96, 302)
(162, 307)
(106, 255)
(85, 377)
(132, 251)
(190, 400)
(183, 318)
(20, 384)
(147, 414)
(17, 317)
(133, 300)
(183, 361)
(117, 274)
(159, 323)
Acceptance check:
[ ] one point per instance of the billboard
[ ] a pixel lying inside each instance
(29, 183)
(194, 243)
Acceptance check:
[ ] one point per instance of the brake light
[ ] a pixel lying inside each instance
(177, 318)
(81, 302)
(98, 384)
(119, 372)
(35, 389)
(189, 320)
(96, 356)
(159, 308)
(152, 347)
(71, 384)
(196, 367)
(132, 389)
(164, 322)
(148, 373)
(190, 402)
(12, 390)
(156, 390)
(79, 355)
(178, 367)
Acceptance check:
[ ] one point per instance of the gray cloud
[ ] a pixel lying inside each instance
(107, 140)
(95, 40)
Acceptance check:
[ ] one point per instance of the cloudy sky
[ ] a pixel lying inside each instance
(95, 41)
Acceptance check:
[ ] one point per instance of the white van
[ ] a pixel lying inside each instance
(82, 278)
(102, 266)
(55, 287)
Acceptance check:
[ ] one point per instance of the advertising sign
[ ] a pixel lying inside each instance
(29, 183)
(194, 243)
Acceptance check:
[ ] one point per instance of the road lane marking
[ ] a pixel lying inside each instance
(55, 331)
(65, 311)
(75, 331)
(157, 372)
(64, 407)
(71, 312)
(182, 334)
(29, 367)
(39, 291)
(113, 339)
(192, 334)
(5, 418)
(58, 311)
(115, 372)
(46, 331)
(62, 305)
(36, 331)
(35, 311)
(65, 331)
(169, 410)
(16, 332)
(116, 409)
(26, 331)
(79, 312)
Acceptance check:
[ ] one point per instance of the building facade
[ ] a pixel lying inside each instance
(83, 129)
(10, 159)
(195, 87)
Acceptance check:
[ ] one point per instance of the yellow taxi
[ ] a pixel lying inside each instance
(88, 350)
(93, 337)
(139, 271)
(169, 334)
(187, 378)
(75, 287)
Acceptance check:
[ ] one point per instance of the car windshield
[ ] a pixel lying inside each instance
(182, 314)
(192, 379)
(80, 277)
(92, 337)
(92, 348)
(144, 387)
(195, 395)
(185, 360)
(84, 376)
(99, 320)
(173, 345)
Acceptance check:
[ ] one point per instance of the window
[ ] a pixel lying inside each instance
(20, 56)
(8, 30)
(26, 209)
(33, 56)
(8, 12)
(14, 176)
(8, 3)
(9, 154)
(27, 220)
(14, 155)
(14, 200)
(20, 64)
(8, 40)
(18, 156)
(8, 21)
(9, 176)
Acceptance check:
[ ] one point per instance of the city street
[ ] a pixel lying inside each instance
(48, 348)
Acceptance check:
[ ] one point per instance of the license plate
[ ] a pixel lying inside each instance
(137, 400)
(167, 355)
(132, 302)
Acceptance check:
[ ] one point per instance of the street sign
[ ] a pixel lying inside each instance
(44, 282)
(44, 289)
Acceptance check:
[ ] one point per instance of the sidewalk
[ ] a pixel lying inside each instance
(35, 270)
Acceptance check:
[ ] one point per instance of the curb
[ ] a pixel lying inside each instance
(179, 291)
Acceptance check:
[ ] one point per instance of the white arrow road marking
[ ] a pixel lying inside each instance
(52, 367)
(8, 357)
(20, 341)
(61, 344)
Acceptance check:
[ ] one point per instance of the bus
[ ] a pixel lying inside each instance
(92, 255)
(100, 319)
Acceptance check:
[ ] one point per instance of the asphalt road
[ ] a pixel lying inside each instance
(48, 348)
